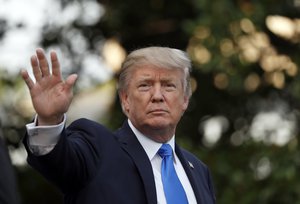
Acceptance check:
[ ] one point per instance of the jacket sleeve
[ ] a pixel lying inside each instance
(74, 159)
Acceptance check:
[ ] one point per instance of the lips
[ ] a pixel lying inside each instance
(158, 111)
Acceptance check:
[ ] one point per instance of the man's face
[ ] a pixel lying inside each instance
(155, 101)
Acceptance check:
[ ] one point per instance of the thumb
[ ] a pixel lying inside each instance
(70, 81)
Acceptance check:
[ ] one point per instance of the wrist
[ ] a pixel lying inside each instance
(55, 120)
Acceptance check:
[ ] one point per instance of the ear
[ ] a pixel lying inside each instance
(124, 101)
(185, 103)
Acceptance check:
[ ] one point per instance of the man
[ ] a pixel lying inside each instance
(92, 165)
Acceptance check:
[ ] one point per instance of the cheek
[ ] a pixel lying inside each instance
(132, 103)
(179, 107)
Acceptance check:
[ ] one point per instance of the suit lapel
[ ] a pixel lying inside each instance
(135, 150)
(190, 171)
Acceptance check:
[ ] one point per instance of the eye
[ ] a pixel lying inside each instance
(143, 86)
(170, 86)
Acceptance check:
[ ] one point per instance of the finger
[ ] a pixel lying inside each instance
(55, 65)
(27, 79)
(43, 63)
(35, 68)
(70, 81)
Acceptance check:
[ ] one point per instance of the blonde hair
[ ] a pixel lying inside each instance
(162, 57)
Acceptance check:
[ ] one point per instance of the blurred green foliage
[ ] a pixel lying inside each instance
(241, 68)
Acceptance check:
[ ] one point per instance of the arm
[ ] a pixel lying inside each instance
(69, 156)
(51, 97)
(76, 156)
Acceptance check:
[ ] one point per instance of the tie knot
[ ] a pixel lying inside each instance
(165, 150)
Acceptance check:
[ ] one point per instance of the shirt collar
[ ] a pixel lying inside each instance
(150, 146)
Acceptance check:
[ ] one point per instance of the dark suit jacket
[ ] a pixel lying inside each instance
(92, 165)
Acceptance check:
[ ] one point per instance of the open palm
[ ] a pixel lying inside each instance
(51, 95)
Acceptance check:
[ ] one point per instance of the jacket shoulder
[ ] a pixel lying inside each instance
(87, 126)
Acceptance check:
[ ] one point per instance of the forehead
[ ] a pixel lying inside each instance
(148, 71)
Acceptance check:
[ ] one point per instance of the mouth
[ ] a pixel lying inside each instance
(158, 111)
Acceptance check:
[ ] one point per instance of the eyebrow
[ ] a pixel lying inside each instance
(162, 80)
(148, 77)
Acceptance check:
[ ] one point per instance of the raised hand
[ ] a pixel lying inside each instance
(51, 96)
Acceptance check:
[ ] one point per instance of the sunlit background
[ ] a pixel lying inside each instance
(23, 32)
(243, 117)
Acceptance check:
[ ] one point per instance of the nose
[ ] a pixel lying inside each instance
(157, 94)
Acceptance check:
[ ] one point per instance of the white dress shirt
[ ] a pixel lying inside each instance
(42, 140)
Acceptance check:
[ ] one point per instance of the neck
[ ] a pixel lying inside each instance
(158, 135)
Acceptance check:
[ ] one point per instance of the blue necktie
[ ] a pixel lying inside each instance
(173, 189)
